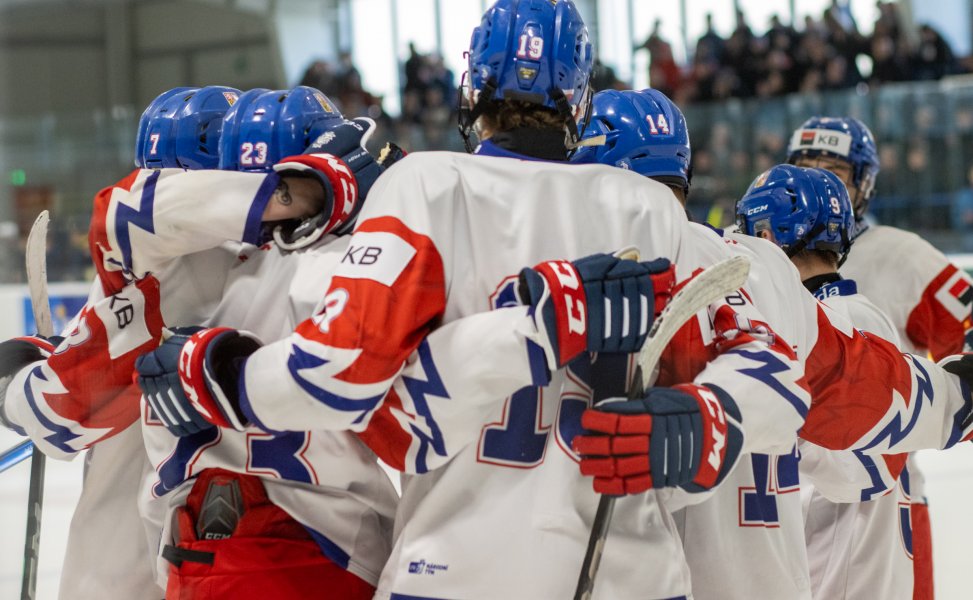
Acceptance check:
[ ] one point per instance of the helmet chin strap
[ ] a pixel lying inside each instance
(468, 116)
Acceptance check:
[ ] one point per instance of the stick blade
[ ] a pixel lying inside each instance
(715, 282)
(36, 259)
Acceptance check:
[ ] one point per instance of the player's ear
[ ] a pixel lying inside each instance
(767, 235)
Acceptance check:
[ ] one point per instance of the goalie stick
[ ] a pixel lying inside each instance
(37, 283)
(713, 283)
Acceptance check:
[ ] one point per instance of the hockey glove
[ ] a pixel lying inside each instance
(600, 303)
(337, 160)
(961, 365)
(687, 436)
(190, 381)
(15, 354)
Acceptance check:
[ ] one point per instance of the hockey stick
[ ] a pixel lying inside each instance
(37, 283)
(713, 283)
(16, 455)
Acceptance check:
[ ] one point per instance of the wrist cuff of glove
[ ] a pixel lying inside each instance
(722, 437)
(223, 351)
(557, 299)
(338, 181)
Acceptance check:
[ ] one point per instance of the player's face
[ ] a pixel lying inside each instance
(843, 170)
(837, 166)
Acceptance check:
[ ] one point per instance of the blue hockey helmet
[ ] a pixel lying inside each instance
(181, 128)
(535, 51)
(265, 126)
(801, 208)
(644, 132)
(846, 139)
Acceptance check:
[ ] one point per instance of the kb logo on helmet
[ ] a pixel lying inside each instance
(827, 140)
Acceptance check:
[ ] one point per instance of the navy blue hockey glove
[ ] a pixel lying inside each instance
(190, 381)
(339, 161)
(600, 303)
(687, 436)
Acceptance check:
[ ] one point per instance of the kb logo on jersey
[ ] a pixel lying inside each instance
(362, 255)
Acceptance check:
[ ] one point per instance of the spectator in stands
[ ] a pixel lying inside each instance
(320, 76)
(603, 77)
(664, 73)
(710, 46)
(934, 58)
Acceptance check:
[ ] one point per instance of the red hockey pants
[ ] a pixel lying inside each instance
(270, 556)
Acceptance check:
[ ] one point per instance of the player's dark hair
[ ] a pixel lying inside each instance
(828, 256)
(507, 115)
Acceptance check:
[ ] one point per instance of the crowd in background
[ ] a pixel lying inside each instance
(823, 55)
(924, 133)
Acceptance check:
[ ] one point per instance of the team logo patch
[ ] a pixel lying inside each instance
(231, 97)
(762, 180)
(827, 140)
(526, 73)
(325, 105)
(424, 567)
(962, 292)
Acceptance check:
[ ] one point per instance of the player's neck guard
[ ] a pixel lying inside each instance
(545, 144)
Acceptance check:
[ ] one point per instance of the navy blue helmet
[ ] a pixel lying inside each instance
(181, 128)
(644, 132)
(536, 51)
(265, 126)
(846, 139)
(801, 208)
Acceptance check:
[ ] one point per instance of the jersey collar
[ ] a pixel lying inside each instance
(830, 285)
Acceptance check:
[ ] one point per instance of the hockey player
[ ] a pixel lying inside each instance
(252, 514)
(180, 129)
(645, 132)
(79, 398)
(928, 298)
(416, 265)
(856, 548)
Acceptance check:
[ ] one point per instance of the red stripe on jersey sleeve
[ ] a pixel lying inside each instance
(385, 435)
(112, 281)
(934, 327)
(852, 379)
(100, 389)
(385, 322)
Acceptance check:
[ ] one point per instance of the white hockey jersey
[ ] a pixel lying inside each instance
(756, 513)
(857, 515)
(928, 299)
(508, 515)
(329, 482)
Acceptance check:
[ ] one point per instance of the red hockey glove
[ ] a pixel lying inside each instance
(600, 303)
(687, 436)
(190, 381)
(339, 161)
